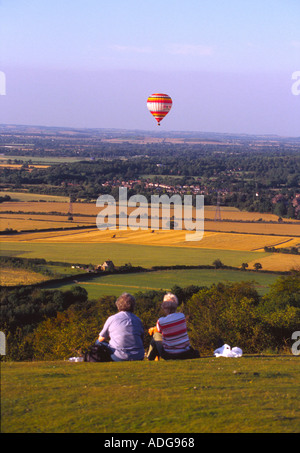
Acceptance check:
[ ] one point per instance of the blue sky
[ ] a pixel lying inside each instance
(227, 65)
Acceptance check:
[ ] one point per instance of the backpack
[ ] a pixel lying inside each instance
(98, 353)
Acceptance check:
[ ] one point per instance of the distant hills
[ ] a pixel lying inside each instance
(145, 136)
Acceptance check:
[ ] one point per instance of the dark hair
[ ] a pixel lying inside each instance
(126, 302)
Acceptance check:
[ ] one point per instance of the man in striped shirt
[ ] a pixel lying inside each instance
(170, 337)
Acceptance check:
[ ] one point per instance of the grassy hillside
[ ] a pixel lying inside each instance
(249, 394)
(115, 284)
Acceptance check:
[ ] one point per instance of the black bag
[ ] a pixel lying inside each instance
(189, 354)
(98, 353)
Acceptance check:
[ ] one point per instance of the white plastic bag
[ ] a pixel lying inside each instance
(226, 351)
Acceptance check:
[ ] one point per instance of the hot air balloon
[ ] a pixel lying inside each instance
(159, 105)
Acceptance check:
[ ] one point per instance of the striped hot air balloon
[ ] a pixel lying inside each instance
(159, 105)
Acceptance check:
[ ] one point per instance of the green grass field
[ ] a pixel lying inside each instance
(138, 255)
(115, 284)
(145, 256)
(256, 394)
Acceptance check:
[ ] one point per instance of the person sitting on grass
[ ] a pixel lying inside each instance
(170, 338)
(123, 333)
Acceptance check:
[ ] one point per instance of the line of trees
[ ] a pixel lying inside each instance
(287, 250)
(51, 324)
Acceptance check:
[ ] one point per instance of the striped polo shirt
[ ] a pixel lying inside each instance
(174, 333)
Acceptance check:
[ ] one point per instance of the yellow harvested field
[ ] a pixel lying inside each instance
(90, 211)
(25, 221)
(295, 242)
(11, 277)
(211, 240)
(49, 206)
(235, 214)
(285, 229)
(278, 262)
(35, 206)
(18, 166)
(22, 222)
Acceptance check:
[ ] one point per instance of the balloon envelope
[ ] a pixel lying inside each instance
(159, 105)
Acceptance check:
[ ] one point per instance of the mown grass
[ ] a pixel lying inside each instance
(115, 284)
(249, 394)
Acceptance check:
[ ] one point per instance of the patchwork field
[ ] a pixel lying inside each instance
(61, 204)
(232, 249)
(85, 213)
(229, 240)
